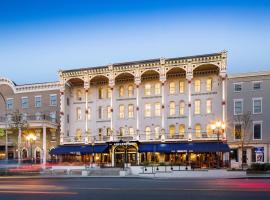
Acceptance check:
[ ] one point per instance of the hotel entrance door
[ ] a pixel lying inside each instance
(125, 154)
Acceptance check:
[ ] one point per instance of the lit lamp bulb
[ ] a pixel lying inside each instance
(218, 124)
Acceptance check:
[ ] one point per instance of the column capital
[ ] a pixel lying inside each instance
(162, 78)
(137, 80)
(111, 83)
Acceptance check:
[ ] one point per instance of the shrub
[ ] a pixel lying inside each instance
(260, 167)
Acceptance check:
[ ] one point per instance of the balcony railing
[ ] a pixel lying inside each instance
(140, 138)
(40, 117)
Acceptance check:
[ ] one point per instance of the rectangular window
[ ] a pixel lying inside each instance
(257, 105)
(109, 113)
(131, 131)
(147, 110)
(130, 111)
(181, 87)
(237, 87)
(130, 91)
(182, 108)
(53, 116)
(100, 112)
(121, 111)
(257, 85)
(172, 108)
(237, 131)
(238, 106)
(147, 89)
(9, 104)
(38, 101)
(157, 89)
(209, 85)
(257, 131)
(208, 106)
(122, 131)
(53, 100)
(197, 85)
(89, 113)
(172, 87)
(79, 113)
(197, 107)
(25, 102)
(121, 91)
(157, 109)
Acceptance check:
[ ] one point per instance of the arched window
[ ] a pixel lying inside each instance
(131, 131)
(182, 130)
(147, 133)
(157, 132)
(130, 90)
(172, 108)
(79, 95)
(78, 136)
(172, 131)
(182, 108)
(198, 130)
(121, 91)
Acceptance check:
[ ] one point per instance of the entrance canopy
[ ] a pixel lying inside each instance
(83, 149)
(199, 147)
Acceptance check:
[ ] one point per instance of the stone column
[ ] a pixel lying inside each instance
(19, 145)
(163, 108)
(112, 126)
(189, 77)
(44, 145)
(137, 83)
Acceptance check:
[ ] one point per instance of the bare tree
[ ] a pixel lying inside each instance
(244, 134)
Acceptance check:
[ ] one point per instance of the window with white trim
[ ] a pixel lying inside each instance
(38, 101)
(157, 130)
(181, 87)
(79, 113)
(209, 85)
(131, 131)
(197, 107)
(109, 112)
(9, 103)
(197, 85)
(257, 85)
(147, 89)
(157, 89)
(257, 130)
(121, 111)
(238, 106)
(25, 102)
(182, 108)
(182, 130)
(53, 100)
(257, 105)
(237, 87)
(130, 91)
(172, 87)
(172, 131)
(157, 109)
(208, 106)
(172, 108)
(121, 91)
(147, 133)
(130, 111)
(198, 130)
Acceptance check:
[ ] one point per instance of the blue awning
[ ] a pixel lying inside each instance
(86, 149)
(199, 147)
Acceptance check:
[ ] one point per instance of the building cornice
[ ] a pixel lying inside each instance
(249, 74)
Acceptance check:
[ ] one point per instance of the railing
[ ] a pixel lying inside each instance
(40, 117)
(140, 137)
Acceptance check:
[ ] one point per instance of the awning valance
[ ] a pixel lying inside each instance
(180, 147)
(83, 149)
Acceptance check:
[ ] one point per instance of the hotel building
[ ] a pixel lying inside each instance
(37, 127)
(248, 95)
(150, 111)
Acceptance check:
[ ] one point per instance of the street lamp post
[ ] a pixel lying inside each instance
(31, 138)
(6, 136)
(218, 128)
(93, 154)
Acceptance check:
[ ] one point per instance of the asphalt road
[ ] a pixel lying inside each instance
(133, 188)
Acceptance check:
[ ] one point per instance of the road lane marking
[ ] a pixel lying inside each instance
(37, 192)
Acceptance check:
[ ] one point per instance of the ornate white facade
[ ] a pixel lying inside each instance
(166, 100)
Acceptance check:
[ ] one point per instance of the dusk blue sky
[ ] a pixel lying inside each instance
(37, 38)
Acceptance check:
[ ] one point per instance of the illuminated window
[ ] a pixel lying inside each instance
(121, 91)
(198, 130)
(172, 87)
(208, 106)
(109, 92)
(181, 87)
(182, 108)
(100, 93)
(147, 133)
(131, 131)
(172, 131)
(197, 85)
(100, 112)
(130, 90)
(209, 130)
(109, 113)
(121, 111)
(79, 113)
(157, 109)
(89, 113)
(79, 95)
(157, 89)
(182, 130)
(237, 131)
(197, 107)
(172, 108)
(209, 85)
(147, 110)
(157, 130)
(147, 89)
(122, 131)
(130, 111)
(78, 136)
